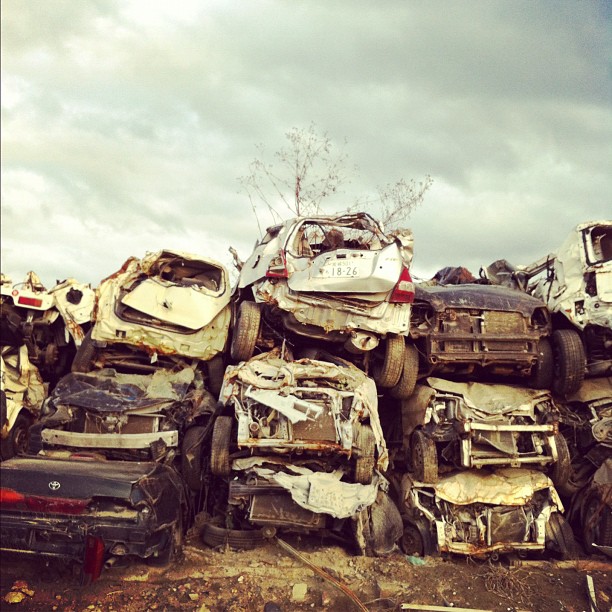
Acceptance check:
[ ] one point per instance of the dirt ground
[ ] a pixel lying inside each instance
(270, 579)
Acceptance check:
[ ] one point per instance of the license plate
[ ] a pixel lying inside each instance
(340, 270)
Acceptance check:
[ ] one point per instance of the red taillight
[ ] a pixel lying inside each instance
(93, 559)
(36, 503)
(56, 505)
(403, 293)
(8, 497)
(29, 301)
(278, 266)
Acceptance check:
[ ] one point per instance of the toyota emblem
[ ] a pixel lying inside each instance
(54, 485)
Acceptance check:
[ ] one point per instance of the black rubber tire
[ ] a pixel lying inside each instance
(245, 539)
(543, 371)
(220, 464)
(561, 470)
(559, 535)
(411, 541)
(424, 457)
(570, 361)
(387, 374)
(246, 331)
(215, 369)
(410, 371)
(16, 443)
(173, 549)
(596, 524)
(84, 356)
(365, 459)
(191, 457)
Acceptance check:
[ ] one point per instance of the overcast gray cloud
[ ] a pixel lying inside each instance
(125, 124)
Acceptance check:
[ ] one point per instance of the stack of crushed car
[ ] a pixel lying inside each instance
(325, 393)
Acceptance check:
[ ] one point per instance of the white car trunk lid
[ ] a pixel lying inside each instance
(348, 271)
(184, 306)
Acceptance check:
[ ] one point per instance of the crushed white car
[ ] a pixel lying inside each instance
(51, 323)
(299, 447)
(168, 303)
(330, 279)
(470, 425)
(307, 407)
(484, 514)
(576, 284)
(22, 394)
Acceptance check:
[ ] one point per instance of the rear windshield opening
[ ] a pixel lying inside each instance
(315, 238)
(177, 270)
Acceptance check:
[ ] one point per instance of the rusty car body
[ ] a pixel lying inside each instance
(90, 512)
(591, 510)
(482, 513)
(166, 304)
(337, 279)
(299, 448)
(586, 423)
(305, 407)
(136, 417)
(486, 332)
(23, 393)
(471, 425)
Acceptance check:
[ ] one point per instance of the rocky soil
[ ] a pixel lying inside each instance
(271, 579)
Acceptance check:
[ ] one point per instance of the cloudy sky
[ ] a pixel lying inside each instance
(127, 123)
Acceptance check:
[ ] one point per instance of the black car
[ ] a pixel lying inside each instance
(135, 417)
(485, 332)
(91, 511)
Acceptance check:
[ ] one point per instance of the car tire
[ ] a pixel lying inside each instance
(424, 457)
(570, 361)
(84, 356)
(596, 524)
(16, 443)
(411, 541)
(366, 454)
(172, 550)
(543, 371)
(408, 378)
(246, 331)
(245, 539)
(560, 537)
(215, 369)
(220, 464)
(388, 373)
(562, 468)
(191, 457)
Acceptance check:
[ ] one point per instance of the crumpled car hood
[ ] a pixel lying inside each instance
(270, 373)
(509, 486)
(110, 391)
(485, 297)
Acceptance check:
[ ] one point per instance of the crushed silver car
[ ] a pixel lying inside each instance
(470, 425)
(480, 513)
(330, 279)
(576, 284)
(167, 303)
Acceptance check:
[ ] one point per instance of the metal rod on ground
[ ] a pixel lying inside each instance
(288, 548)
